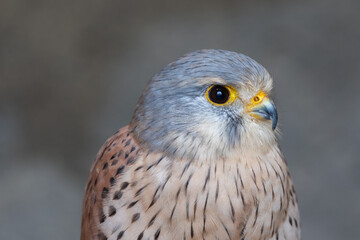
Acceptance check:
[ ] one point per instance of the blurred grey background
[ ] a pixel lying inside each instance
(71, 72)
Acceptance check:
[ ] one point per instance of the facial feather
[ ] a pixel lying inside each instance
(184, 124)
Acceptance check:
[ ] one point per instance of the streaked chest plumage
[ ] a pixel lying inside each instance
(244, 198)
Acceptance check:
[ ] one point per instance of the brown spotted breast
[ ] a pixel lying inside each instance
(133, 194)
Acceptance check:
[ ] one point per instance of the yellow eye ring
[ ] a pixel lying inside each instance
(220, 95)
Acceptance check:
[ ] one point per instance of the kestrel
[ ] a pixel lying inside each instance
(199, 159)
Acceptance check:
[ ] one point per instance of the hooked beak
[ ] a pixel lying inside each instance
(264, 110)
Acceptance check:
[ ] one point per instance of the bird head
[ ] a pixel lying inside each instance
(208, 104)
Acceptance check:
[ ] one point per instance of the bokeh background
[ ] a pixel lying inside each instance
(71, 72)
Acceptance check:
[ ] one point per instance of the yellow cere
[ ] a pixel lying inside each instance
(258, 98)
(232, 96)
(255, 103)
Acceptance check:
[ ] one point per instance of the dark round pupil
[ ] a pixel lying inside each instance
(219, 94)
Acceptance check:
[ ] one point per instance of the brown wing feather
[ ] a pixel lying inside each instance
(112, 160)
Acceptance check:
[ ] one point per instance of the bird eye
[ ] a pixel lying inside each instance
(220, 95)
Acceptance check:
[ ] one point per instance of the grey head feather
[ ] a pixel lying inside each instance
(173, 115)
